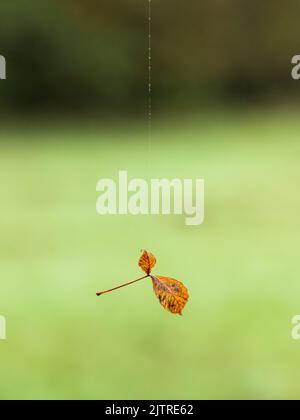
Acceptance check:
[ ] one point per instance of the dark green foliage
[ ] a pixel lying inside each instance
(92, 54)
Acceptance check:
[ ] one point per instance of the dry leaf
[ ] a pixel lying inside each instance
(147, 262)
(172, 294)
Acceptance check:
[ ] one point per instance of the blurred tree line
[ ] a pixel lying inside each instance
(82, 55)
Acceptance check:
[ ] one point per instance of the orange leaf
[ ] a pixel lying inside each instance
(172, 294)
(147, 262)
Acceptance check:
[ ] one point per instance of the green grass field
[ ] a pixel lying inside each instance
(241, 267)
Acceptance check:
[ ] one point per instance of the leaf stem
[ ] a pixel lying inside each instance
(122, 285)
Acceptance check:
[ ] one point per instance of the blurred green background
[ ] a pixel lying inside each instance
(73, 110)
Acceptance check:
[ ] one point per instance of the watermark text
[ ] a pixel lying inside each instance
(2, 67)
(159, 196)
(2, 328)
(296, 67)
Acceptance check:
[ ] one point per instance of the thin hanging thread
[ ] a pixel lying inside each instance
(149, 159)
(150, 75)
